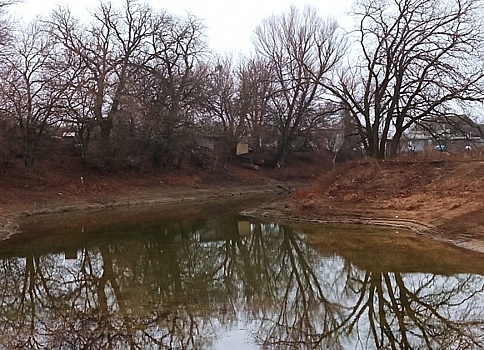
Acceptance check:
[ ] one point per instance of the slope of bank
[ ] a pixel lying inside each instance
(442, 199)
(63, 186)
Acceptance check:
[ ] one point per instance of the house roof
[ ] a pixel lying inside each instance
(450, 126)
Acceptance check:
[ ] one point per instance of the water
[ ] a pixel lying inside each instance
(194, 278)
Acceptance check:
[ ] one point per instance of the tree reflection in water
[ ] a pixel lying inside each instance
(183, 285)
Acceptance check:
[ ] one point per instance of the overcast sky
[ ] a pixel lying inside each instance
(229, 23)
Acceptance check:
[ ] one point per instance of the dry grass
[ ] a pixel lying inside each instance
(190, 181)
(323, 183)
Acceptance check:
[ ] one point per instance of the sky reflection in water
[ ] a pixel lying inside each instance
(225, 281)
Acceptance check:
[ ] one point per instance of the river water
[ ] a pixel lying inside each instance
(203, 277)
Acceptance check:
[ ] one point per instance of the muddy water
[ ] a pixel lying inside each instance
(205, 278)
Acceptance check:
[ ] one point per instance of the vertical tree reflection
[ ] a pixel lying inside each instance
(183, 284)
(425, 312)
(303, 310)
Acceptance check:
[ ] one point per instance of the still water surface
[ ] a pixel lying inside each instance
(211, 279)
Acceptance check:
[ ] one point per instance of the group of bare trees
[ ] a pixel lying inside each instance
(416, 60)
(140, 86)
(301, 48)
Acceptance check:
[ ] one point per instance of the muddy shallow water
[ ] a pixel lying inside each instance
(203, 277)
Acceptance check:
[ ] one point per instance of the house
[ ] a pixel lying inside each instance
(454, 133)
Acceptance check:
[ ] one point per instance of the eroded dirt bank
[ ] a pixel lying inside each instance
(65, 187)
(442, 199)
(9, 219)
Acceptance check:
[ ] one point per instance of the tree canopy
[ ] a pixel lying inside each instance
(416, 59)
(140, 86)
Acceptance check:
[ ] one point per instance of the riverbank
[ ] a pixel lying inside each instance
(65, 187)
(441, 199)
(158, 195)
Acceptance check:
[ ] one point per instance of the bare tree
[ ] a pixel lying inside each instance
(417, 59)
(5, 25)
(30, 95)
(220, 116)
(221, 95)
(6, 123)
(302, 49)
(170, 89)
(107, 51)
(235, 101)
(254, 94)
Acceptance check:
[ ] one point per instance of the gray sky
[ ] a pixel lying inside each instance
(229, 23)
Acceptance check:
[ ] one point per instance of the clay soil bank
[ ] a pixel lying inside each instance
(441, 198)
(64, 186)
